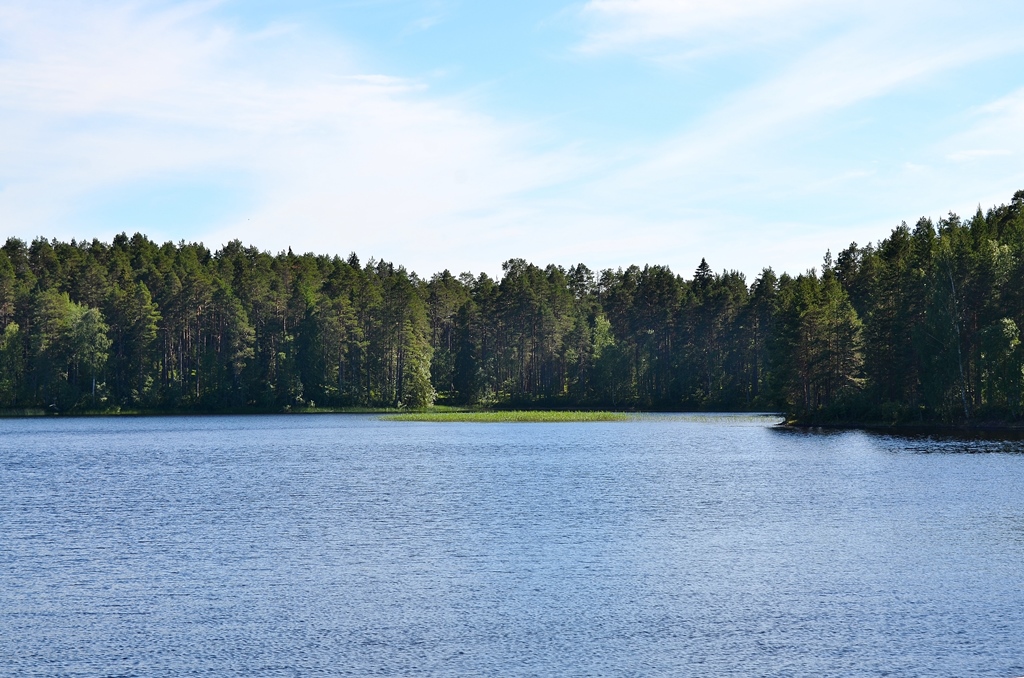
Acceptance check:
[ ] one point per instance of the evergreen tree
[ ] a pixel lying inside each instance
(924, 324)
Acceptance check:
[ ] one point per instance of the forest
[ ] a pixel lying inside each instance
(922, 326)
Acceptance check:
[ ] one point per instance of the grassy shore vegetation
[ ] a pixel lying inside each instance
(922, 326)
(509, 416)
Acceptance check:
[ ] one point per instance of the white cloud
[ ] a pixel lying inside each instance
(995, 129)
(977, 154)
(984, 156)
(776, 144)
(745, 145)
(335, 158)
(869, 49)
(331, 155)
(699, 27)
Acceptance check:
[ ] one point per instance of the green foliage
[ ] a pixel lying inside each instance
(12, 367)
(922, 325)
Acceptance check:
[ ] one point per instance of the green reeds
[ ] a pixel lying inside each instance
(509, 416)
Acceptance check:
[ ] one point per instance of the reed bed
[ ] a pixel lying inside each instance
(508, 416)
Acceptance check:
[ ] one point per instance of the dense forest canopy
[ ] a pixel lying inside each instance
(923, 325)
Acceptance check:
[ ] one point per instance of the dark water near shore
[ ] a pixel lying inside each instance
(344, 545)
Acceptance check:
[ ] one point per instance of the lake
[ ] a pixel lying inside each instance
(345, 545)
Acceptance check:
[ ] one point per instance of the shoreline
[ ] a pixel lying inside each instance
(917, 428)
(37, 412)
(791, 424)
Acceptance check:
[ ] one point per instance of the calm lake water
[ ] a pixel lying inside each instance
(346, 545)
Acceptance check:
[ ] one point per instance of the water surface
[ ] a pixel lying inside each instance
(345, 545)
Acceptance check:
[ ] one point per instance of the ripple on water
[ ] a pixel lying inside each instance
(343, 545)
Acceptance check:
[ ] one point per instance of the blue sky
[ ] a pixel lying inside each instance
(448, 134)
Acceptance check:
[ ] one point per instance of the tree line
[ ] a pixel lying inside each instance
(921, 326)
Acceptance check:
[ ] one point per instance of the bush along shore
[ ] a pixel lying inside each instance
(920, 327)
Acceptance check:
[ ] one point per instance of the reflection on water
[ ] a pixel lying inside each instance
(344, 545)
(951, 444)
(759, 419)
(925, 440)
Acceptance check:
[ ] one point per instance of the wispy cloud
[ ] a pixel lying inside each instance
(841, 73)
(985, 154)
(995, 129)
(700, 27)
(334, 158)
(316, 148)
(978, 154)
(776, 141)
(746, 144)
(423, 24)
